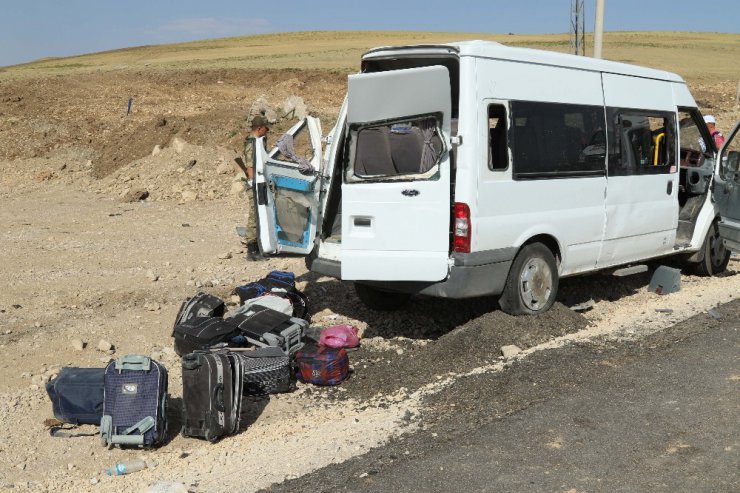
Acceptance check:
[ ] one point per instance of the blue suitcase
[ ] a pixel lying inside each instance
(135, 402)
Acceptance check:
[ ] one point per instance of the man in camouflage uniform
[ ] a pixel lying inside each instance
(260, 127)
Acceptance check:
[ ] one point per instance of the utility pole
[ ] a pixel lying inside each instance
(577, 28)
(599, 28)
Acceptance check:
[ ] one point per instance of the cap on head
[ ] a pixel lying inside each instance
(710, 119)
(260, 121)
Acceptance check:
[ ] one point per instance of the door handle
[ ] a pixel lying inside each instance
(669, 187)
(364, 222)
(261, 193)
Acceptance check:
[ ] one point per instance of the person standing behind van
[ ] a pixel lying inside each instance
(260, 127)
(719, 139)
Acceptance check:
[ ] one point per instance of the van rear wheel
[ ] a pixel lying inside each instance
(532, 283)
(380, 300)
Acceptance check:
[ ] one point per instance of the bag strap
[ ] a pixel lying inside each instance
(141, 427)
(127, 437)
(106, 428)
(135, 362)
(63, 432)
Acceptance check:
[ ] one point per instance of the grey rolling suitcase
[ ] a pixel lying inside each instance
(265, 327)
(211, 394)
(266, 371)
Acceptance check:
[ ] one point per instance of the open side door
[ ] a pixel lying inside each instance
(396, 188)
(726, 190)
(287, 200)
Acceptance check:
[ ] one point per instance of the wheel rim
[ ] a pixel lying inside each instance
(535, 284)
(717, 250)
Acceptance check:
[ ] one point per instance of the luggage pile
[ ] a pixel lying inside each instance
(258, 349)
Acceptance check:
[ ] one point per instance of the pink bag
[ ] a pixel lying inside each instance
(339, 336)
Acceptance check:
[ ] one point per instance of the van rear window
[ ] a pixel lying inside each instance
(397, 149)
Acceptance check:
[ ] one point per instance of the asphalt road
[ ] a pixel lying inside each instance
(657, 414)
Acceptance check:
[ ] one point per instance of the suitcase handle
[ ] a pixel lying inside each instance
(191, 361)
(218, 397)
(136, 362)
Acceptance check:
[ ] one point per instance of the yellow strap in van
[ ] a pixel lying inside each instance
(658, 142)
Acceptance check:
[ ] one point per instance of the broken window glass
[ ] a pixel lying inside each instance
(396, 149)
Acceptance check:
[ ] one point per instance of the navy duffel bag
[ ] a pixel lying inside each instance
(77, 395)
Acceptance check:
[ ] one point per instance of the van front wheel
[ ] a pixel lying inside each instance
(715, 256)
(532, 283)
(380, 300)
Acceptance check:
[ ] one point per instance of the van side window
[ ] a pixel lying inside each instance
(498, 154)
(641, 142)
(408, 149)
(553, 140)
(692, 143)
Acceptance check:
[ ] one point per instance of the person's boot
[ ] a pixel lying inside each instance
(253, 252)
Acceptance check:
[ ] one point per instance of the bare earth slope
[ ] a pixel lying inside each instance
(82, 263)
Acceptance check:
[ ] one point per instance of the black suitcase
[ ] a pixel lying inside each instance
(200, 333)
(211, 394)
(135, 403)
(264, 327)
(200, 305)
(266, 371)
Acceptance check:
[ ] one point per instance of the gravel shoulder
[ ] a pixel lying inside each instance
(83, 266)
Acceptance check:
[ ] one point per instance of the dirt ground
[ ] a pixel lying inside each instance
(83, 261)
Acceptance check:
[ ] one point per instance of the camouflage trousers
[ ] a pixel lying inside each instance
(251, 216)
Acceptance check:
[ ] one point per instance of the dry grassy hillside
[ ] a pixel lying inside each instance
(202, 91)
(696, 56)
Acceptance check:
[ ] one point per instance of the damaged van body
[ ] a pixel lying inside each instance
(475, 169)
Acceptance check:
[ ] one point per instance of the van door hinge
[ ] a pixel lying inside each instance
(456, 140)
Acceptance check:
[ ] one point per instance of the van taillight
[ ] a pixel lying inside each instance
(461, 228)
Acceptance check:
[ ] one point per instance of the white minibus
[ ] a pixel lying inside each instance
(473, 168)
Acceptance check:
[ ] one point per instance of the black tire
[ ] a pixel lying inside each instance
(380, 300)
(715, 256)
(532, 283)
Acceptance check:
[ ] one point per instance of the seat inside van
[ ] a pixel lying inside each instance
(406, 148)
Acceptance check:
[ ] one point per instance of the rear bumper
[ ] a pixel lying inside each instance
(467, 277)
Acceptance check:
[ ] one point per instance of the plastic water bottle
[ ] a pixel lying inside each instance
(126, 467)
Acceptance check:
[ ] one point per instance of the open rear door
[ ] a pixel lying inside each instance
(726, 190)
(287, 200)
(396, 187)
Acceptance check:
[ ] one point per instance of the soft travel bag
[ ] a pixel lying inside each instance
(276, 283)
(200, 305)
(76, 395)
(321, 365)
(200, 333)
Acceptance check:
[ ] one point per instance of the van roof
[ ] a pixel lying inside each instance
(498, 51)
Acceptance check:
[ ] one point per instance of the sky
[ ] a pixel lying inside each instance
(32, 29)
